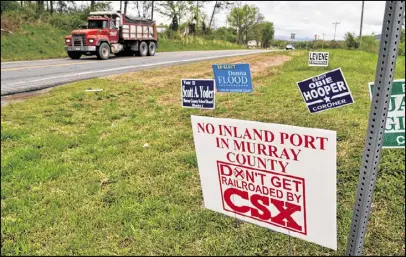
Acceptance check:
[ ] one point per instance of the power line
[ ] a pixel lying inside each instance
(335, 29)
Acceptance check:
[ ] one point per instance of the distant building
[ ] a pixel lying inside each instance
(378, 37)
(253, 43)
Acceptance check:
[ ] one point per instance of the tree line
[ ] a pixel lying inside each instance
(244, 22)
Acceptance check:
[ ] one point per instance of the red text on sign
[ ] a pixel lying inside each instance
(268, 197)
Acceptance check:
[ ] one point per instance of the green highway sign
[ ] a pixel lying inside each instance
(395, 123)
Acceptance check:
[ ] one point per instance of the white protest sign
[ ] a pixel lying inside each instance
(318, 58)
(275, 176)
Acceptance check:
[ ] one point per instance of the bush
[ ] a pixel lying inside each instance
(13, 20)
(183, 26)
(9, 6)
(319, 44)
(174, 25)
(350, 40)
(226, 34)
(279, 43)
(65, 21)
(303, 44)
(401, 50)
(170, 34)
(336, 44)
(370, 44)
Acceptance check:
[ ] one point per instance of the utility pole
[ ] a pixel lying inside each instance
(314, 41)
(322, 44)
(360, 29)
(152, 11)
(335, 29)
(197, 14)
(216, 5)
(125, 7)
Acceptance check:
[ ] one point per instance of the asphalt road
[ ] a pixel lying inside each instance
(25, 76)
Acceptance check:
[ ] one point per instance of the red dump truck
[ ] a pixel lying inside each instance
(112, 32)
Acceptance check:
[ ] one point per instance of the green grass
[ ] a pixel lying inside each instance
(33, 43)
(44, 41)
(76, 180)
(197, 43)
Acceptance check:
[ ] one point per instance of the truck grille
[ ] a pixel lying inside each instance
(79, 40)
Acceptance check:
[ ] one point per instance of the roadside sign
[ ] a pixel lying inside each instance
(394, 136)
(318, 58)
(325, 91)
(198, 93)
(233, 78)
(276, 176)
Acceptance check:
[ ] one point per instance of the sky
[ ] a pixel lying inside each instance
(306, 18)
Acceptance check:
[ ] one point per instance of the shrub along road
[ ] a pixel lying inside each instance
(18, 77)
(76, 179)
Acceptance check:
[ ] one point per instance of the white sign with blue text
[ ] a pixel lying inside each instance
(233, 78)
(325, 91)
(198, 93)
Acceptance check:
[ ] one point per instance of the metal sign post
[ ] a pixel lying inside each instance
(390, 40)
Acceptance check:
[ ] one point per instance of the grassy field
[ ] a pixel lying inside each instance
(76, 179)
(44, 42)
(33, 43)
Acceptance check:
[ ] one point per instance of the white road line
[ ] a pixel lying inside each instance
(132, 66)
(66, 58)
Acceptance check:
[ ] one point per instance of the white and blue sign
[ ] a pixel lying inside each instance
(233, 78)
(198, 93)
(326, 91)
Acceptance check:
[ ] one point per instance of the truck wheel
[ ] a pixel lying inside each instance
(151, 49)
(103, 51)
(143, 48)
(74, 55)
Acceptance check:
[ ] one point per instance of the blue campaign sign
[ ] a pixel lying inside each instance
(198, 93)
(326, 91)
(233, 78)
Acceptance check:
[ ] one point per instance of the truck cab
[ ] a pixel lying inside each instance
(112, 32)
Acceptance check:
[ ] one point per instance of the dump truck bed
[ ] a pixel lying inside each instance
(138, 29)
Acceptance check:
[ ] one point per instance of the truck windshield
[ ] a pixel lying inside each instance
(97, 24)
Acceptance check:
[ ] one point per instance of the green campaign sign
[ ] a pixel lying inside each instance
(395, 123)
